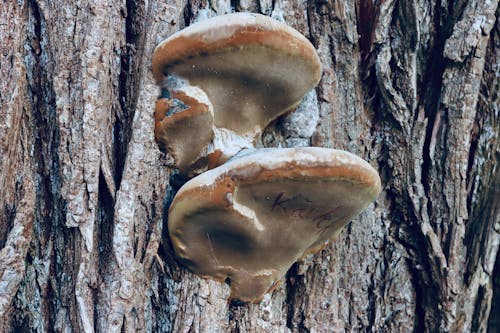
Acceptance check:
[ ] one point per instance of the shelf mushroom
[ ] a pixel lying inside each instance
(247, 221)
(226, 79)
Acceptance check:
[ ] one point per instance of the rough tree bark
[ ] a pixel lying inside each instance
(411, 85)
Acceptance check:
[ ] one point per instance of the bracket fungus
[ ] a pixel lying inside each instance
(257, 211)
(250, 219)
(227, 78)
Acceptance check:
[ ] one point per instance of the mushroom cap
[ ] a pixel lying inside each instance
(252, 68)
(185, 118)
(250, 219)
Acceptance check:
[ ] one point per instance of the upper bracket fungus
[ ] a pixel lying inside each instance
(228, 77)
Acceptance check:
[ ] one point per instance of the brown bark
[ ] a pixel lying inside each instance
(412, 86)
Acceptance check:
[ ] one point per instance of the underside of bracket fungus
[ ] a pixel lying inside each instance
(228, 77)
(247, 221)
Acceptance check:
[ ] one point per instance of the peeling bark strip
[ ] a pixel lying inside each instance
(412, 86)
(17, 183)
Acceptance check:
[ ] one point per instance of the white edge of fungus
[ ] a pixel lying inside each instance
(224, 26)
(275, 158)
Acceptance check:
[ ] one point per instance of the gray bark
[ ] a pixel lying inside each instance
(412, 86)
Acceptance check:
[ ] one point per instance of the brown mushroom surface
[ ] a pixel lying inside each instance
(183, 126)
(250, 219)
(252, 69)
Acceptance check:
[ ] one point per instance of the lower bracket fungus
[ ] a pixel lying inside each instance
(250, 219)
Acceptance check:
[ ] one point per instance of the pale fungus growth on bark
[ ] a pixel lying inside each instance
(257, 211)
(250, 70)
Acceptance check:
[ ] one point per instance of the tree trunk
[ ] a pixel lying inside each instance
(412, 86)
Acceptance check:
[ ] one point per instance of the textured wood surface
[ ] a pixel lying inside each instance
(411, 86)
